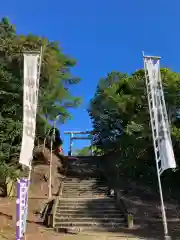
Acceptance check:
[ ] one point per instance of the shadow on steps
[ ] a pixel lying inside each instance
(102, 215)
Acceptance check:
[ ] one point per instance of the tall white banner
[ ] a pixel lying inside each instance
(160, 124)
(30, 100)
(166, 152)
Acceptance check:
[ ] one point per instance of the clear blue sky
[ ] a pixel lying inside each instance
(103, 36)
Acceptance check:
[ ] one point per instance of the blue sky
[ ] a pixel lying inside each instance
(103, 36)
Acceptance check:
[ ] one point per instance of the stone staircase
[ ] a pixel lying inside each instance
(85, 204)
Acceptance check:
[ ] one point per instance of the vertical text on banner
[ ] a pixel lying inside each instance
(21, 207)
(30, 98)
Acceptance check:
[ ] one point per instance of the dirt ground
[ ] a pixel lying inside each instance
(146, 210)
(38, 196)
(148, 223)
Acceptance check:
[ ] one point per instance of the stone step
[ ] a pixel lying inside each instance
(83, 195)
(98, 190)
(80, 188)
(87, 225)
(85, 167)
(84, 187)
(90, 163)
(81, 173)
(79, 185)
(88, 193)
(96, 215)
(94, 200)
(80, 196)
(85, 182)
(83, 164)
(81, 168)
(101, 230)
(89, 206)
(79, 207)
(78, 162)
(86, 203)
(89, 158)
(88, 220)
(86, 211)
(84, 190)
(83, 179)
(87, 186)
(69, 191)
(94, 191)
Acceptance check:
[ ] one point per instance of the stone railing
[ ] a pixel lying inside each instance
(56, 202)
(51, 208)
(128, 217)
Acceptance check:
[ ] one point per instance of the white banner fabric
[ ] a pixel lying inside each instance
(30, 99)
(165, 148)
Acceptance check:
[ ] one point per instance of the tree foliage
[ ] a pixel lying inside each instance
(121, 122)
(54, 94)
(85, 151)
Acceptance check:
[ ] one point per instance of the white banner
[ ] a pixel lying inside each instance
(160, 121)
(30, 99)
(21, 207)
(167, 155)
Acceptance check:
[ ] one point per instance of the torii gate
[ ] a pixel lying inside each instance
(73, 136)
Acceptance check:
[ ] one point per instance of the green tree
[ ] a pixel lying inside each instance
(85, 151)
(121, 122)
(54, 94)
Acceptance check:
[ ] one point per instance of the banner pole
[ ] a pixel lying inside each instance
(31, 98)
(51, 156)
(163, 211)
(50, 166)
(50, 171)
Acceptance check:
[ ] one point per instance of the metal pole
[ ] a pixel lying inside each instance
(45, 130)
(50, 169)
(163, 212)
(50, 166)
